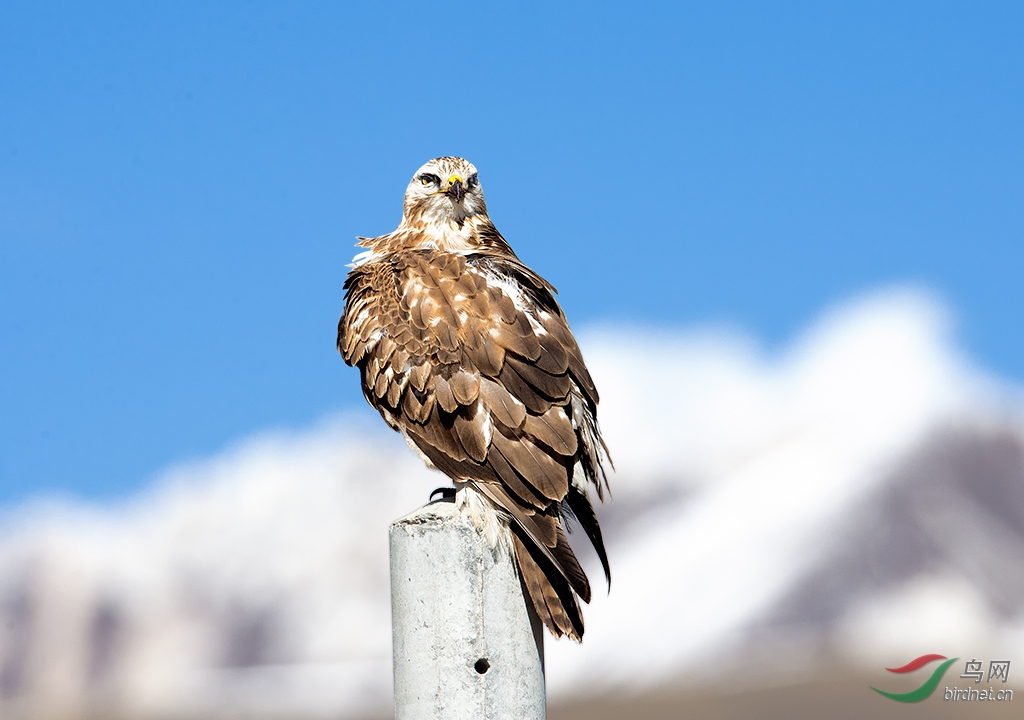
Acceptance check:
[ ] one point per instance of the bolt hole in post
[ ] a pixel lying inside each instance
(482, 666)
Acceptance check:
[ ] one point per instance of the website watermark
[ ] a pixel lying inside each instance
(955, 693)
(974, 669)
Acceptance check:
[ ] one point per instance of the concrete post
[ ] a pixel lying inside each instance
(466, 644)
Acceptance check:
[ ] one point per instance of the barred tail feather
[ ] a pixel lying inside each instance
(549, 592)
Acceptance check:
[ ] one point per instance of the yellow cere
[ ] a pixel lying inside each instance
(455, 178)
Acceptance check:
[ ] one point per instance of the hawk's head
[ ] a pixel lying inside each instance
(445, 190)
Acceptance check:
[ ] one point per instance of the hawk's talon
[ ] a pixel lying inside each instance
(447, 495)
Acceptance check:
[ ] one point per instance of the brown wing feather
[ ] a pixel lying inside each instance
(553, 357)
(444, 395)
(515, 384)
(470, 430)
(543, 473)
(554, 429)
(528, 497)
(503, 406)
(465, 386)
(555, 387)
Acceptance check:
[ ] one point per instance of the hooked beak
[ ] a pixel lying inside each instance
(455, 190)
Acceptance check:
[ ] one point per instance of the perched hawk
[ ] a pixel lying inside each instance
(463, 349)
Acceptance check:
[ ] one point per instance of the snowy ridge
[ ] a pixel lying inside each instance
(860, 494)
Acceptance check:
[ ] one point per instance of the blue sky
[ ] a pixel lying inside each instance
(180, 187)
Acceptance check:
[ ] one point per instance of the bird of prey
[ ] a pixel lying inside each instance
(464, 350)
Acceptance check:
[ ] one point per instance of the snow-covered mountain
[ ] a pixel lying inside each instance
(858, 495)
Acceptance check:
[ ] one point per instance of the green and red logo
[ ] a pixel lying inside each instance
(929, 685)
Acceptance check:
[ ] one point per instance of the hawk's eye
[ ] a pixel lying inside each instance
(473, 181)
(429, 179)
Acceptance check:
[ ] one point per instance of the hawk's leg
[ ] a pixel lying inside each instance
(447, 495)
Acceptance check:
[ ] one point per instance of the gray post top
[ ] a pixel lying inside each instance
(436, 512)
